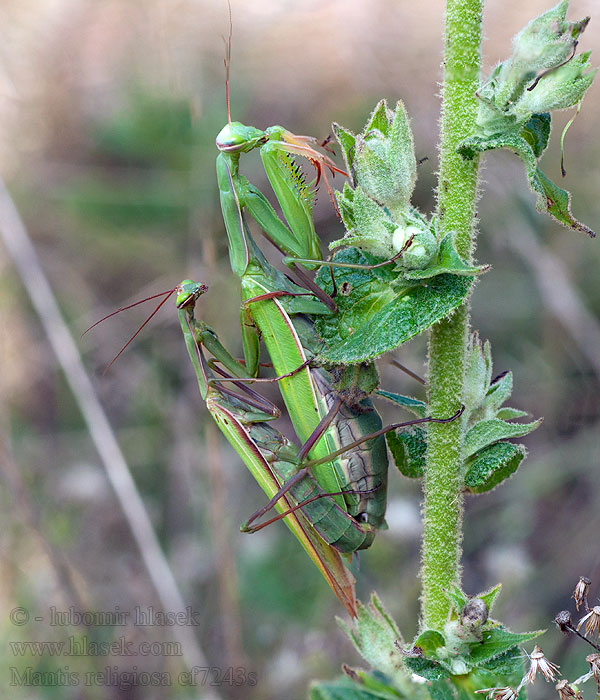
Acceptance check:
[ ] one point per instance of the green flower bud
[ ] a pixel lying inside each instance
(345, 201)
(545, 43)
(381, 159)
(560, 88)
(541, 75)
(371, 226)
(421, 251)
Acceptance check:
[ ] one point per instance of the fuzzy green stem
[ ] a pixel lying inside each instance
(457, 193)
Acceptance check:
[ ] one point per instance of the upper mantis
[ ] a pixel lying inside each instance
(321, 404)
(270, 299)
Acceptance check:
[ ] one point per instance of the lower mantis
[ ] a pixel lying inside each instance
(325, 529)
(243, 421)
(341, 530)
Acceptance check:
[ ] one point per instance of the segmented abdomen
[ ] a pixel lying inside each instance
(364, 467)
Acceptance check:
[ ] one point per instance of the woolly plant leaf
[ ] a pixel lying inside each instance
(551, 198)
(492, 465)
(486, 432)
(408, 449)
(375, 314)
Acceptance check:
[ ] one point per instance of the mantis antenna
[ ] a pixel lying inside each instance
(227, 62)
(166, 296)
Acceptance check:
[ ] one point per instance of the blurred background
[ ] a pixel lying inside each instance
(108, 117)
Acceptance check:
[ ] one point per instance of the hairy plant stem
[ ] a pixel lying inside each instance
(457, 193)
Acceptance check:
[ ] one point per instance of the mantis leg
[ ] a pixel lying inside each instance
(289, 260)
(307, 465)
(251, 529)
(386, 429)
(250, 341)
(304, 472)
(316, 291)
(299, 239)
(246, 527)
(239, 380)
(205, 336)
(197, 336)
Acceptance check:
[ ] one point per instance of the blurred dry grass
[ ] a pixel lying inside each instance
(108, 119)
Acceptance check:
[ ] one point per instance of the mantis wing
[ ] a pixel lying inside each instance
(327, 559)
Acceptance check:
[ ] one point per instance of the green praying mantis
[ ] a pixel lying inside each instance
(328, 406)
(324, 529)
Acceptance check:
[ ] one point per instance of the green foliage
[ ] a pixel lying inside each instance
(408, 448)
(472, 652)
(488, 459)
(377, 312)
(457, 599)
(346, 689)
(495, 642)
(419, 408)
(381, 158)
(466, 652)
(542, 74)
(489, 597)
(376, 209)
(374, 635)
(445, 262)
(492, 465)
(551, 198)
(429, 642)
(487, 432)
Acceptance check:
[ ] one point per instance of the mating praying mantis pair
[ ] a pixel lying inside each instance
(331, 490)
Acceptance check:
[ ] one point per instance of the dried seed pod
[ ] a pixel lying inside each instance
(539, 663)
(594, 662)
(592, 621)
(474, 614)
(581, 591)
(564, 621)
(567, 692)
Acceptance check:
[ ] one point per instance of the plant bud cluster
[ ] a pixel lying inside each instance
(541, 75)
(376, 209)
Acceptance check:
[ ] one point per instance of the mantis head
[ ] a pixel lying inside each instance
(187, 293)
(236, 137)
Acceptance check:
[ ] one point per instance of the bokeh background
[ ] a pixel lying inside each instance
(107, 122)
